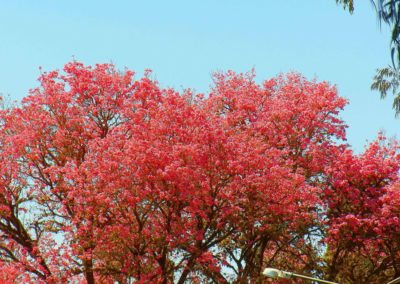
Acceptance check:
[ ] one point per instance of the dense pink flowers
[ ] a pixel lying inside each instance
(107, 179)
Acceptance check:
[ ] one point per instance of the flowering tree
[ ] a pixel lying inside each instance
(107, 179)
(359, 191)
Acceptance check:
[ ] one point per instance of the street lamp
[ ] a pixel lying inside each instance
(397, 280)
(276, 273)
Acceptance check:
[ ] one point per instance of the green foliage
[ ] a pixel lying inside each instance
(347, 4)
(388, 12)
(387, 80)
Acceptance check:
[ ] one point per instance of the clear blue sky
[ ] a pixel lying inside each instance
(185, 41)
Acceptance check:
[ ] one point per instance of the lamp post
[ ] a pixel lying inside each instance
(397, 280)
(276, 273)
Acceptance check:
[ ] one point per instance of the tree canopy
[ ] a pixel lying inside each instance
(110, 179)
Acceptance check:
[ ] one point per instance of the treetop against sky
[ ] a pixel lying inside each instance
(105, 178)
(192, 172)
(183, 43)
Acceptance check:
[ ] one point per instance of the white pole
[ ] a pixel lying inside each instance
(276, 273)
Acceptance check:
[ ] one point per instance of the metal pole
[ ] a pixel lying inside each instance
(312, 279)
(397, 280)
(276, 273)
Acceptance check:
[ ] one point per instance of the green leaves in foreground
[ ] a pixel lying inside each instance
(387, 80)
(347, 4)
